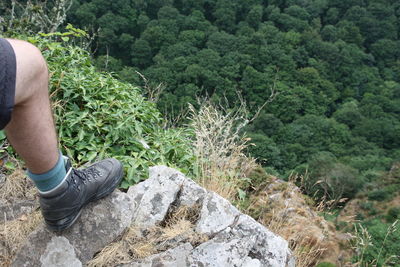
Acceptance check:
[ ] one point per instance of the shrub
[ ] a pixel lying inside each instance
(383, 194)
(393, 214)
(379, 195)
(368, 206)
(331, 180)
(98, 116)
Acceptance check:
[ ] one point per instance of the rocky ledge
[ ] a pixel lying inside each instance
(220, 235)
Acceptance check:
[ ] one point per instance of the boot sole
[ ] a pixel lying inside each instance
(75, 216)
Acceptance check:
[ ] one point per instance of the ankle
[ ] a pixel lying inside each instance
(52, 178)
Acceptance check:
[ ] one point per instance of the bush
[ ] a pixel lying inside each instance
(378, 195)
(331, 180)
(383, 194)
(98, 116)
(368, 206)
(393, 214)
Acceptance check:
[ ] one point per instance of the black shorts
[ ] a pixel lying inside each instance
(8, 70)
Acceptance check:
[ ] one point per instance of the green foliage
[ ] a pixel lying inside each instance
(383, 194)
(330, 180)
(380, 244)
(98, 116)
(368, 206)
(393, 214)
(333, 65)
(326, 264)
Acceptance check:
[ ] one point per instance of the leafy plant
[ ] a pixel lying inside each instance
(98, 116)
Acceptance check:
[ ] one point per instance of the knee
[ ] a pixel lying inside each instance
(30, 61)
(32, 72)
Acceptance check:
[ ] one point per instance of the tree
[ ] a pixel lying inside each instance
(349, 114)
(225, 15)
(222, 42)
(141, 54)
(385, 50)
(330, 179)
(254, 17)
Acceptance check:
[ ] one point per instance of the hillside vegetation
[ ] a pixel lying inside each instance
(333, 67)
(322, 76)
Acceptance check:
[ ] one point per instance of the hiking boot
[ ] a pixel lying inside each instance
(62, 206)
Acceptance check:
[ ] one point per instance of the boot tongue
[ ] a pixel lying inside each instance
(59, 189)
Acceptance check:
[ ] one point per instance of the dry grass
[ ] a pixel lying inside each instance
(281, 208)
(303, 240)
(140, 243)
(13, 234)
(219, 148)
(17, 186)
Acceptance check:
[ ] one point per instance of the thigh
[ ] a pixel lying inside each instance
(7, 81)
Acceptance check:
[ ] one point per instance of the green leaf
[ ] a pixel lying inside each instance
(81, 134)
(91, 155)
(10, 166)
(130, 174)
(2, 135)
(242, 194)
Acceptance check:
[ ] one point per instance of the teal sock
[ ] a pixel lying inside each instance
(50, 179)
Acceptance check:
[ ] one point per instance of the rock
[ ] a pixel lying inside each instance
(223, 235)
(192, 194)
(243, 242)
(2, 178)
(11, 211)
(249, 262)
(170, 258)
(268, 248)
(216, 214)
(155, 195)
(100, 224)
(59, 253)
(220, 251)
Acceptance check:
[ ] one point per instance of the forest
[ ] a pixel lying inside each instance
(331, 67)
(320, 80)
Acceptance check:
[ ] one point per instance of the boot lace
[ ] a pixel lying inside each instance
(80, 177)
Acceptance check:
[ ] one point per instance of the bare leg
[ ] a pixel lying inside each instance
(31, 130)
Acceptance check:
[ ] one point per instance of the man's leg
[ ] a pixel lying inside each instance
(64, 191)
(31, 130)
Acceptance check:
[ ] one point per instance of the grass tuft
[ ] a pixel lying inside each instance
(14, 233)
(17, 186)
(222, 165)
(138, 243)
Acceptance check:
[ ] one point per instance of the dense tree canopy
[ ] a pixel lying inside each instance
(335, 66)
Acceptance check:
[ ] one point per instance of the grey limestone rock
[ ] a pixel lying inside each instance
(191, 194)
(100, 223)
(242, 243)
(59, 253)
(170, 258)
(234, 239)
(268, 248)
(154, 196)
(11, 211)
(249, 262)
(220, 251)
(216, 214)
(2, 178)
